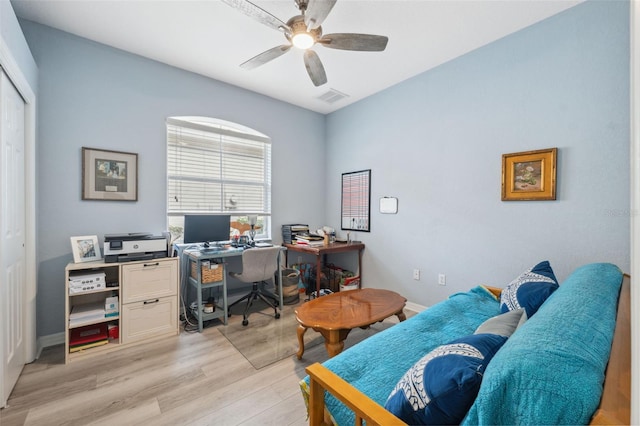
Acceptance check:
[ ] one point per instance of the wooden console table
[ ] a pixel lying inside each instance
(320, 252)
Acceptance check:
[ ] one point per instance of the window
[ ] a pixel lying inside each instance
(214, 166)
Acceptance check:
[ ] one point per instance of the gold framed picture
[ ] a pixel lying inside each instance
(529, 176)
(109, 175)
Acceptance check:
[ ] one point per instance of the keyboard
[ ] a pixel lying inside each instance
(215, 250)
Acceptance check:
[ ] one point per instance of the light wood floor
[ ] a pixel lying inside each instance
(193, 378)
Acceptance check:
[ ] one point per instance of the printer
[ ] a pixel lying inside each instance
(134, 246)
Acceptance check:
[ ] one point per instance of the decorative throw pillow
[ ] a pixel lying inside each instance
(504, 324)
(441, 387)
(529, 290)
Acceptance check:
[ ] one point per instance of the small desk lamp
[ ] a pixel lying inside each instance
(252, 233)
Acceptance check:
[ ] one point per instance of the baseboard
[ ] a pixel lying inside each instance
(415, 307)
(58, 338)
(49, 340)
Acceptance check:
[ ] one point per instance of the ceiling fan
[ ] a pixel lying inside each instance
(304, 31)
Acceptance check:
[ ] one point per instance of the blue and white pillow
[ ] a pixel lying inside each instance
(529, 290)
(441, 387)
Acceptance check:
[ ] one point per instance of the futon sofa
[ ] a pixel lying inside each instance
(549, 368)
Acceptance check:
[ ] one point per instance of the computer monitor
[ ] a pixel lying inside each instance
(206, 228)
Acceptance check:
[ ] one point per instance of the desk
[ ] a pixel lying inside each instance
(320, 253)
(189, 253)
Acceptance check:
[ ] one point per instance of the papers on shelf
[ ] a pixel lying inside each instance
(79, 348)
(86, 313)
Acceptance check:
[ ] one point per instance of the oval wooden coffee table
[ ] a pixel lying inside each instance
(336, 314)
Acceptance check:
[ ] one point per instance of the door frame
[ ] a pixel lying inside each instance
(635, 205)
(15, 74)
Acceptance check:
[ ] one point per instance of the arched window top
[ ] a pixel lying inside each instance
(216, 125)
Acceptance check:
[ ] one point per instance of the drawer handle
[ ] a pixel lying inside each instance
(148, 302)
(152, 264)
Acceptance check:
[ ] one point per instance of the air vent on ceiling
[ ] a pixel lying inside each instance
(332, 96)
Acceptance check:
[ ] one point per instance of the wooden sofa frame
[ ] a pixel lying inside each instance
(614, 408)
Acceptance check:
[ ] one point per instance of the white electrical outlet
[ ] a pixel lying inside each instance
(416, 274)
(442, 279)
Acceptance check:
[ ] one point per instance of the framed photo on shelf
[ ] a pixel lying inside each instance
(109, 175)
(529, 176)
(356, 201)
(85, 248)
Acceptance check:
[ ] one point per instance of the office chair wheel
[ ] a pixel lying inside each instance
(277, 315)
(245, 322)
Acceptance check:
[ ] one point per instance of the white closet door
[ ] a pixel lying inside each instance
(12, 239)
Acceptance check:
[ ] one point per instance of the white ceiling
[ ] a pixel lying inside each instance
(211, 38)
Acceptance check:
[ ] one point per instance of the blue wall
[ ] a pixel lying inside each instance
(436, 142)
(15, 44)
(95, 96)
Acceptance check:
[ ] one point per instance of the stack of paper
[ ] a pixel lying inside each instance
(86, 313)
(309, 239)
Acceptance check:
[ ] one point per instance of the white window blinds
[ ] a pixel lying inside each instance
(213, 168)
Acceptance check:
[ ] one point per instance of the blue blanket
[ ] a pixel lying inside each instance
(551, 370)
(375, 365)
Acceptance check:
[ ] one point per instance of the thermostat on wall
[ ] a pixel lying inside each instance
(389, 205)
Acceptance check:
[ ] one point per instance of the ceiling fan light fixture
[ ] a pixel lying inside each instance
(303, 40)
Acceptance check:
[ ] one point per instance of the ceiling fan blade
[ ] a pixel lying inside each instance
(348, 41)
(258, 14)
(317, 12)
(265, 57)
(314, 68)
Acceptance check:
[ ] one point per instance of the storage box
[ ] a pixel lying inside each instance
(81, 279)
(86, 282)
(351, 283)
(114, 331)
(111, 306)
(88, 334)
(211, 271)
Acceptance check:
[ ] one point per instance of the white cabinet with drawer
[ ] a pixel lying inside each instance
(146, 307)
(150, 318)
(149, 300)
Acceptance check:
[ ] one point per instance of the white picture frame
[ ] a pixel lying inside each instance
(85, 248)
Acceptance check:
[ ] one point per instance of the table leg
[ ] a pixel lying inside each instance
(360, 267)
(280, 280)
(318, 274)
(199, 296)
(334, 340)
(301, 330)
(401, 316)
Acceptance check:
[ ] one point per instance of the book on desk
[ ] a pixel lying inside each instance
(309, 239)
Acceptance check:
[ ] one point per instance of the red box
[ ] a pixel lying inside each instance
(87, 334)
(114, 331)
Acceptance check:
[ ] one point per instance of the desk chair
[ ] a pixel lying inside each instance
(258, 265)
